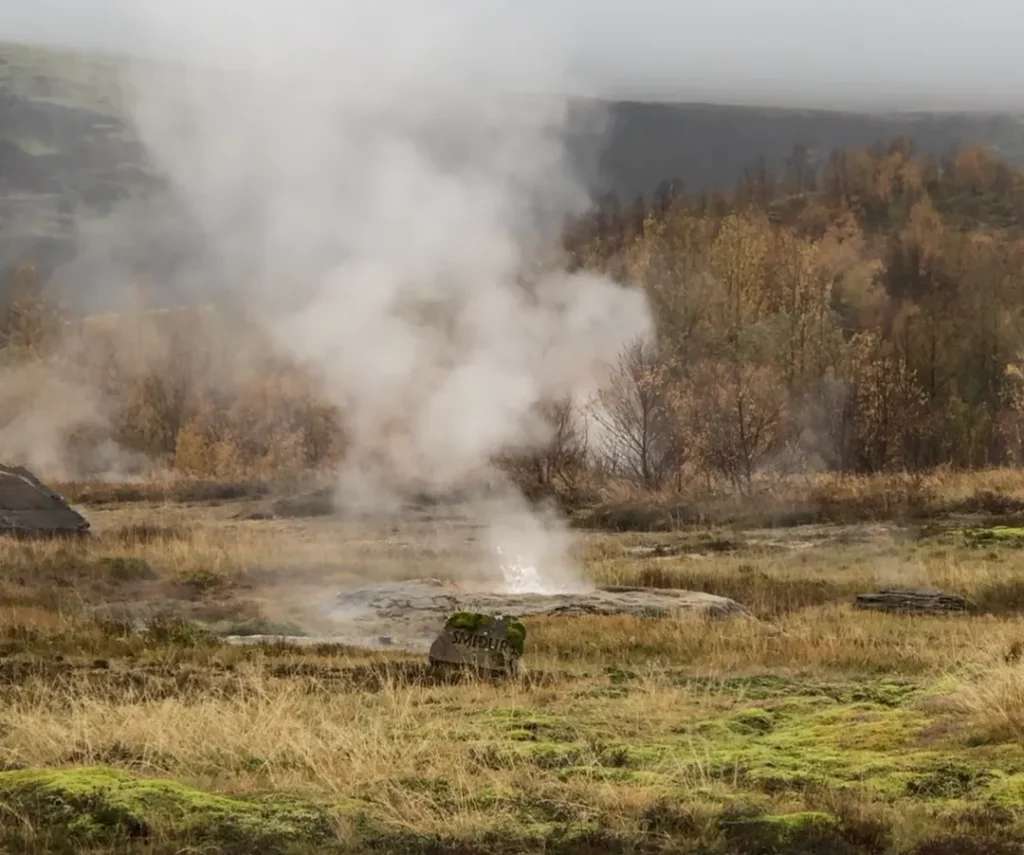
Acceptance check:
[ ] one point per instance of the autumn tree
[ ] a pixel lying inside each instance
(737, 418)
(30, 324)
(636, 414)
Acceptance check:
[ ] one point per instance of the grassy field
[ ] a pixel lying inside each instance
(128, 725)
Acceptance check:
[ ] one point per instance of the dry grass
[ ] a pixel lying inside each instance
(380, 748)
(626, 733)
(994, 701)
(776, 572)
(826, 639)
(208, 564)
(458, 763)
(170, 488)
(805, 499)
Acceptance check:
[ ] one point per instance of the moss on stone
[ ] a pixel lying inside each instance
(515, 632)
(469, 621)
(100, 806)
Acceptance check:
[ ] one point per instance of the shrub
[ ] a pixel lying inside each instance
(126, 569)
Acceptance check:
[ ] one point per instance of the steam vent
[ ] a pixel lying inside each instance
(30, 509)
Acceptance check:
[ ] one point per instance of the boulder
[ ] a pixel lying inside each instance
(491, 644)
(29, 509)
(912, 601)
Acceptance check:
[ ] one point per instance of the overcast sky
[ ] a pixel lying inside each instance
(884, 53)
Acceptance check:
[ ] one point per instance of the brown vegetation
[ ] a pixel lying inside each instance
(856, 316)
(860, 318)
(188, 391)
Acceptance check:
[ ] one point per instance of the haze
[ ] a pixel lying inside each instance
(874, 54)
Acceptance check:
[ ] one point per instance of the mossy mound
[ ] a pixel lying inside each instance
(80, 808)
(753, 720)
(805, 833)
(1002, 535)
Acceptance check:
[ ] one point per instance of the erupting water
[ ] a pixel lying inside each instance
(522, 576)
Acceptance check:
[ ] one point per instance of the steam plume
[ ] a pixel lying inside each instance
(372, 180)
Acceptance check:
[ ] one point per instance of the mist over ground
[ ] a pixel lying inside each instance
(388, 220)
(380, 194)
(357, 191)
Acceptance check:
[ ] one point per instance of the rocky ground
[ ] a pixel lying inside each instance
(408, 615)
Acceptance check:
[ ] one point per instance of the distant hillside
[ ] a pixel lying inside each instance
(65, 145)
(709, 146)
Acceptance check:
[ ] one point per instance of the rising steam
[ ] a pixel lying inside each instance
(372, 181)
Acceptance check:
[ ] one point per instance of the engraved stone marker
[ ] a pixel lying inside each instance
(482, 642)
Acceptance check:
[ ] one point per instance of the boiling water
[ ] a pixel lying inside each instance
(521, 576)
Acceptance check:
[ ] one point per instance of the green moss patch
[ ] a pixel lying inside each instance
(523, 725)
(469, 621)
(805, 833)
(811, 742)
(100, 807)
(853, 737)
(753, 720)
(515, 633)
(948, 780)
(1001, 535)
(890, 692)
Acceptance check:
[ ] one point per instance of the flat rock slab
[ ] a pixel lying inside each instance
(30, 509)
(912, 601)
(409, 615)
(434, 595)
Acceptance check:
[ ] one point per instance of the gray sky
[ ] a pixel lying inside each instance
(828, 53)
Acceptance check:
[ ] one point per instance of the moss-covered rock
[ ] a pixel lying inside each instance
(515, 632)
(469, 621)
(101, 807)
